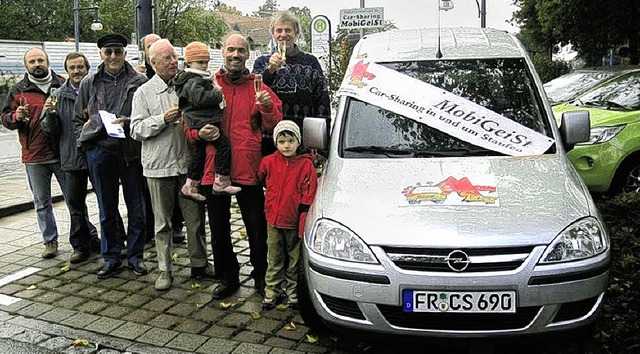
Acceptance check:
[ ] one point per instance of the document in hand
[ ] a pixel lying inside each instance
(114, 130)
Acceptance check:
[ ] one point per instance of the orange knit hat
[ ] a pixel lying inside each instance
(196, 51)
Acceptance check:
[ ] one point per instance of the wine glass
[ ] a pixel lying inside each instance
(282, 50)
(257, 83)
(22, 101)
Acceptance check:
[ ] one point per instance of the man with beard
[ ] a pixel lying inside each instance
(155, 122)
(104, 100)
(58, 124)
(22, 111)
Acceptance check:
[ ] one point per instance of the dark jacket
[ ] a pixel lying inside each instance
(291, 187)
(198, 99)
(36, 146)
(58, 124)
(91, 100)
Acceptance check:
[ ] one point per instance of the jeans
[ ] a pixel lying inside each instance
(82, 233)
(39, 177)
(164, 194)
(108, 169)
(251, 203)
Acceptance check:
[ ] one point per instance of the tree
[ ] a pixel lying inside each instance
(183, 21)
(304, 15)
(267, 10)
(222, 7)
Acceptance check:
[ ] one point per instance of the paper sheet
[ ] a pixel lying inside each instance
(114, 130)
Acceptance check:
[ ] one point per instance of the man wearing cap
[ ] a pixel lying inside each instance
(164, 148)
(21, 111)
(104, 99)
(247, 114)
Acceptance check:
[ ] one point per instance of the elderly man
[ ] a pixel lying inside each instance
(101, 120)
(21, 111)
(146, 42)
(58, 124)
(155, 122)
(245, 117)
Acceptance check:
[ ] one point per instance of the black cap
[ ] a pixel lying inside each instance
(112, 40)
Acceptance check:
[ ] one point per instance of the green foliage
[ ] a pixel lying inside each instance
(304, 15)
(221, 7)
(549, 69)
(618, 324)
(267, 10)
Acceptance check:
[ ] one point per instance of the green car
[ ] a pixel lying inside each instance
(610, 161)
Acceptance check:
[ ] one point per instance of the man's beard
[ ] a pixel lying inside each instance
(39, 73)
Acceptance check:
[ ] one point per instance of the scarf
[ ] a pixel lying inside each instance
(205, 74)
(43, 84)
(235, 76)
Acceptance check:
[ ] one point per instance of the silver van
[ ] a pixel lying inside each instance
(447, 206)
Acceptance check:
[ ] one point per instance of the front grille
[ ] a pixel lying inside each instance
(480, 259)
(459, 321)
(574, 310)
(342, 307)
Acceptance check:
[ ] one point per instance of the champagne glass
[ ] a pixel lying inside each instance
(257, 83)
(54, 101)
(282, 50)
(22, 101)
(174, 104)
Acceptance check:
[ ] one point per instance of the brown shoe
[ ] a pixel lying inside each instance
(50, 250)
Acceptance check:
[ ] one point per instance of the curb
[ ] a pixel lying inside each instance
(20, 207)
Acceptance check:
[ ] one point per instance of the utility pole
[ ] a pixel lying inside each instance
(144, 19)
(483, 14)
(362, 29)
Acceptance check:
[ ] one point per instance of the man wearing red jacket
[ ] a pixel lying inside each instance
(249, 112)
(21, 111)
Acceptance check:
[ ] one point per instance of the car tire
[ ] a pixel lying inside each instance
(628, 177)
(307, 311)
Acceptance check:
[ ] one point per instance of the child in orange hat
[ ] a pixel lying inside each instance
(201, 103)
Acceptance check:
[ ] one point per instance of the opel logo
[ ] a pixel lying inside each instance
(457, 261)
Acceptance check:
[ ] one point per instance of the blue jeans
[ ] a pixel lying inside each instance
(39, 176)
(108, 169)
(82, 233)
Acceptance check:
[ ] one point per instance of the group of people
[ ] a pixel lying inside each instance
(177, 142)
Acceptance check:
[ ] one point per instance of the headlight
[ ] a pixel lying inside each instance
(603, 134)
(585, 238)
(334, 240)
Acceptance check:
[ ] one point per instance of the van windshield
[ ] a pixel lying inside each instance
(503, 86)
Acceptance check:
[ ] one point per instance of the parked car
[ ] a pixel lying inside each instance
(447, 206)
(610, 161)
(567, 87)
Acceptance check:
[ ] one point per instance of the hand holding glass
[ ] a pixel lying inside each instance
(282, 50)
(22, 101)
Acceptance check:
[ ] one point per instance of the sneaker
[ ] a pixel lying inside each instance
(78, 257)
(292, 301)
(268, 303)
(164, 281)
(190, 191)
(203, 272)
(50, 250)
(138, 268)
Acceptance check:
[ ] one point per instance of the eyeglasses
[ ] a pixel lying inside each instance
(117, 51)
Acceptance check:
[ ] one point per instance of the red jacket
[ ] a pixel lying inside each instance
(36, 146)
(291, 186)
(243, 122)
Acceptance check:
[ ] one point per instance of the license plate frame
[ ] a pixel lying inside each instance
(439, 301)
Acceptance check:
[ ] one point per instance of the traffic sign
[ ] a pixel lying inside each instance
(368, 17)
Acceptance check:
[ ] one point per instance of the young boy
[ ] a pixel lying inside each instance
(291, 181)
(201, 103)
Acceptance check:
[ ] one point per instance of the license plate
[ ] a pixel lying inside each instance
(459, 301)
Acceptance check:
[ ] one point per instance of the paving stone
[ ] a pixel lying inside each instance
(92, 292)
(158, 305)
(150, 291)
(191, 326)
(9, 331)
(264, 325)
(58, 314)
(32, 279)
(176, 294)
(182, 309)
(187, 342)
(132, 286)
(218, 346)
(11, 289)
(29, 294)
(216, 331)
(280, 343)
(50, 284)
(249, 348)
(104, 325)
(113, 282)
(12, 258)
(314, 348)
(249, 337)
(251, 306)
(140, 316)
(237, 320)
(113, 296)
(57, 343)
(202, 297)
(164, 321)
(72, 275)
(90, 279)
(31, 336)
(92, 306)
(35, 310)
(135, 300)
(208, 314)
(296, 334)
(275, 314)
(16, 306)
(115, 311)
(80, 320)
(157, 336)
(70, 302)
(71, 288)
(130, 330)
(49, 297)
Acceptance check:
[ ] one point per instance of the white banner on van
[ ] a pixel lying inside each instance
(440, 109)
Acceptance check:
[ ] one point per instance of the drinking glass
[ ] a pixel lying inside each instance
(257, 83)
(282, 50)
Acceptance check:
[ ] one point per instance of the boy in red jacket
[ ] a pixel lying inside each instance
(291, 181)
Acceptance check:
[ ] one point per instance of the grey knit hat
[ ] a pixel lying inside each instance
(286, 125)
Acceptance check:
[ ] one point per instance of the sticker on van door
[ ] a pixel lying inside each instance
(450, 191)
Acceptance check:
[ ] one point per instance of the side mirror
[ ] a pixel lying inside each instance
(315, 134)
(575, 127)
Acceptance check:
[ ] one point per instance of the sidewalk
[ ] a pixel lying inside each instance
(60, 302)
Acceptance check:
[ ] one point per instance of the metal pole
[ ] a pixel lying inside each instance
(483, 14)
(144, 16)
(76, 25)
(362, 29)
